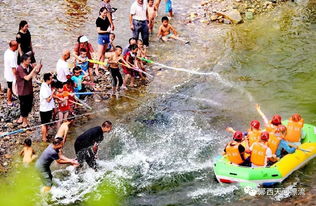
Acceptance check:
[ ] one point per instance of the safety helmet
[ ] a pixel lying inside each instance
(238, 136)
(264, 136)
(276, 120)
(281, 129)
(296, 117)
(255, 124)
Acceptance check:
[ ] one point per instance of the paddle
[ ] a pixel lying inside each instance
(295, 146)
(304, 150)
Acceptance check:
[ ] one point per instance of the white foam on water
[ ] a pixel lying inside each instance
(285, 192)
(215, 191)
(209, 101)
(168, 151)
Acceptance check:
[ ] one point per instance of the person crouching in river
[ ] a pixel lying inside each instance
(51, 153)
(235, 151)
(86, 145)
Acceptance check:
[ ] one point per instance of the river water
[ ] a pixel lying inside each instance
(167, 134)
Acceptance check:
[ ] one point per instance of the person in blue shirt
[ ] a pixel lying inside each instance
(78, 78)
(284, 147)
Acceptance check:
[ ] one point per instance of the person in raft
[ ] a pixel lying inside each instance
(260, 152)
(278, 145)
(272, 125)
(235, 151)
(166, 31)
(86, 145)
(294, 129)
(51, 153)
(253, 134)
(28, 152)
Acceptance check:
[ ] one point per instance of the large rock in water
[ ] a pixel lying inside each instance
(233, 15)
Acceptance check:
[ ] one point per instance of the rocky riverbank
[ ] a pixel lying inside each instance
(11, 144)
(231, 11)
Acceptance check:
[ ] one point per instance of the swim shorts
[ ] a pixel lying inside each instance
(103, 39)
(168, 6)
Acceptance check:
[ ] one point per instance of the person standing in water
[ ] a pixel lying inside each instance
(28, 152)
(114, 59)
(138, 20)
(24, 39)
(86, 145)
(152, 11)
(51, 153)
(64, 128)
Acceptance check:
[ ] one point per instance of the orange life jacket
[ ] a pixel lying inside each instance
(258, 154)
(233, 153)
(294, 131)
(271, 128)
(253, 136)
(274, 142)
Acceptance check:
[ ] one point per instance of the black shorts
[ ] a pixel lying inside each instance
(9, 85)
(26, 104)
(46, 117)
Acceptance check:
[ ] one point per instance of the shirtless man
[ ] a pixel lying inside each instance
(166, 31)
(114, 60)
(64, 128)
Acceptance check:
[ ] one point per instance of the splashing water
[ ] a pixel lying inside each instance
(209, 101)
(216, 75)
(143, 164)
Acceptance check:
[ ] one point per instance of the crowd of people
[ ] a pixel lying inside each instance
(61, 89)
(263, 147)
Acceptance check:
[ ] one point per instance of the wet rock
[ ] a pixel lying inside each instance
(214, 17)
(7, 156)
(249, 15)
(232, 15)
(227, 21)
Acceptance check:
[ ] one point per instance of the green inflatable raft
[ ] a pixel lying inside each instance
(226, 172)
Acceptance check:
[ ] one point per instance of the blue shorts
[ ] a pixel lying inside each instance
(168, 6)
(84, 66)
(103, 39)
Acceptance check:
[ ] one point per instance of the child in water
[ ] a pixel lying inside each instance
(166, 31)
(152, 10)
(27, 152)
